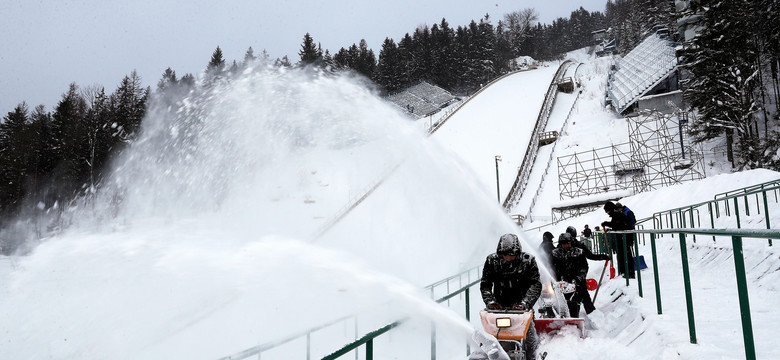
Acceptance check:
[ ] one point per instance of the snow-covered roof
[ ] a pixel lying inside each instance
(422, 99)
(640, 70)
(592, 199)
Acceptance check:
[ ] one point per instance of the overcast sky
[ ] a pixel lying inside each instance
(47, 44)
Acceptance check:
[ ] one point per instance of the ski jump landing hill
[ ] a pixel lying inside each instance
(510, 118)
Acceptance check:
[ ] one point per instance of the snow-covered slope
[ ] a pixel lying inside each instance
(222, 238)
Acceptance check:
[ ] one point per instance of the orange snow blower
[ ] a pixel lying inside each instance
(510, 328)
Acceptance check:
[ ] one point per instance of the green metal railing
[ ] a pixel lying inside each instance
(747, 189)
(683, 217)
(739, 266)
(369, 337)
(435, 289)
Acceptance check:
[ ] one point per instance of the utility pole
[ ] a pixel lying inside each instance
(683, 120)
(498, 189)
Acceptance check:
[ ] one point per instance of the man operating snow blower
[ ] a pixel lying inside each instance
(510, 287)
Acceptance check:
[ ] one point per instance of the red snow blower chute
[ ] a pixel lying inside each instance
(553, 313)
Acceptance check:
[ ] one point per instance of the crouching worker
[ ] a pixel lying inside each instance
(570, 266)
(510, 281)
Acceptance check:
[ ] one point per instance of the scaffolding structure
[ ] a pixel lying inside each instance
(658, 154)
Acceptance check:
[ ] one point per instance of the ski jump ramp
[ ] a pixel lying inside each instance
(510, 113)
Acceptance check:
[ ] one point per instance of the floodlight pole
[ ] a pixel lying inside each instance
(498, 189)
(683, 120)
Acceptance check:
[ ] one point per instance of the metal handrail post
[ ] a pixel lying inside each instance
(717, 210)
(370, 349)
(357, 356)
(728, 209)
(680, 219)
(448, 291)
(736, 211)
(758, 202)
(688, 292)
(744, 301)
(712, 219)
(433, 340)
(766, 214)
(363, 340)
(655, 274)
(692, 223)
(308, 346)
(637, 268)
(626, 254)
(468, 319)
(747, 207)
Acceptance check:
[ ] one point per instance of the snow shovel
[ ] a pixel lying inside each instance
(602, 278)
(609, 250)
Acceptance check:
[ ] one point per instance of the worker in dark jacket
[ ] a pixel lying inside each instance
(621, 218)
(582, 288)
(510, 277)
(510, 280)
(579, 244)
(571, 266)
(545, 251)
(586, 232)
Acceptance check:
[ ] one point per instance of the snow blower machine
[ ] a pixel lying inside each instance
(555, 306)
(506, 332)
(510, 328)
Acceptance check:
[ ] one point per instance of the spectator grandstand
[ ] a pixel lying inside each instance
(649, 69)
(423, 99)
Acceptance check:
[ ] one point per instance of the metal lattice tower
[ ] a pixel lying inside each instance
(657, 155)
(658, 141)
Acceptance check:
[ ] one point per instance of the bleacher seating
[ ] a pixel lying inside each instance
(641, 70)
(423, 99)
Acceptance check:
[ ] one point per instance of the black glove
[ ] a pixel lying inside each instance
(604, 224)
(493, 305)
(603, 257)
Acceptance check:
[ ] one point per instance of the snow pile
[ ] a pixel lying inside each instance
(222, 213)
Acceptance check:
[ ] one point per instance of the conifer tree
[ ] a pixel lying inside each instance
(723, 63)
(68, 128)
(283, 62)
(327, 61)
(128, 107)
(217, 62)
(406, 61)
(249, 56)
(264, 57)
(442, 48)
(14, 140)
(343, 59)
(167, 81)
(187, 81)
(389, 67)
(309, 53)
(421, 54)
(367, 59)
